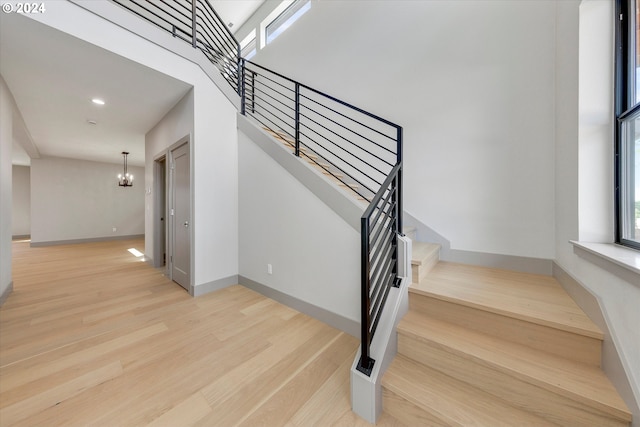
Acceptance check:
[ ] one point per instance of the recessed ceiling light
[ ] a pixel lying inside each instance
(97, 101)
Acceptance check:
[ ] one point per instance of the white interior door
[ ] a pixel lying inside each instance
(180, 214)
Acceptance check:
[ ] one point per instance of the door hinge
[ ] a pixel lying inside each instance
(171, 212)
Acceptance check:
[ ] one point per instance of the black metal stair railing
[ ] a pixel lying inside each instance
(359, 150)
(197, 23)
(355, 147)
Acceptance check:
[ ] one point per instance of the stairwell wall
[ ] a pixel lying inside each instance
(314, 254)
(471, 82)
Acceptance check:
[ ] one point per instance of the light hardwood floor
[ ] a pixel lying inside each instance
(91, 335)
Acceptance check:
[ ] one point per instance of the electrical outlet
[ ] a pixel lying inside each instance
(115, 229)
(269, 269)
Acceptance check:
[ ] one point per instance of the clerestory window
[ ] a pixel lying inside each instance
(284, 20)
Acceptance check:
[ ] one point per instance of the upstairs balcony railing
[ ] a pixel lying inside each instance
(358, 150)
(197, 23)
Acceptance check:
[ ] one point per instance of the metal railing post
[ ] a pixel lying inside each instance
(242, 86)
(194, 37)
(297, 119)
(399, 157)
(240, 74)
(365, 364)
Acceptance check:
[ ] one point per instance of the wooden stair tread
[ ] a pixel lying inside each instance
(422, 251)
(450, 400)
(581, 383)
(534, 298)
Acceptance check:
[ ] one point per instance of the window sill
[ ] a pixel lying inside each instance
(619, 260)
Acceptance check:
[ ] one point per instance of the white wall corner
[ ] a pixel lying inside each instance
(366, 392)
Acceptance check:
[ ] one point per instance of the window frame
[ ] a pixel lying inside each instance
(626, 110)
(295, 9)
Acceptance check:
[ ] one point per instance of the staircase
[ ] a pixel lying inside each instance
(489, 347)
(317, 162)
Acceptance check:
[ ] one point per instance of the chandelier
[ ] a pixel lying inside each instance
(126, 179)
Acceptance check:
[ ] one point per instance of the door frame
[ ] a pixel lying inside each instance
(167, 187)
(160, 228)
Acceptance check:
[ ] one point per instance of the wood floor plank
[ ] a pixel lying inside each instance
(185, 413)
(58, 393)
(36, 368)
(284, 402)
(93, 336)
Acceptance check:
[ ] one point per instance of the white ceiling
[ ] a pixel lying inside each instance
(236, 11)
(53, 77)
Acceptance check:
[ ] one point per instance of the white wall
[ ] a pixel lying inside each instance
(472, 83)
(76, 199)
(174, 126)
(584, 175)
(21, 207)
(214, 139)
(6, 144)
(314, 253)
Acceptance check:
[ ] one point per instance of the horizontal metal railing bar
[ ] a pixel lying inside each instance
(338, 177)
(383, 231)
(345, 139)
(391, 138)
(387, 213)
(182, 5)
(308, 137)
(183, 14)
(346, 104)
(274, 107)
(384, 247)
(260, 88)
(387, 182)
(353, 107)
(224, 44)
(260, 94)
(276, 123)
(218, 19)
(274, 81)
(381, 284)
(347, 152)
(202, 42)
(374, 324)
(267, 123)
(213, 41)
(147, 18)
(381, 218)
(348, 140)
(383, 239)
(380, 269)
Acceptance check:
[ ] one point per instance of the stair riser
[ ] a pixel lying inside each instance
(419, 272)
(561, 343)
(509, 386)
(408, 413)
